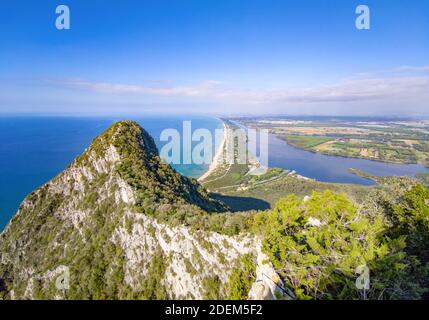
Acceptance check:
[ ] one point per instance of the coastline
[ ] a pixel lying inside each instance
(222, 157)
(218, 156)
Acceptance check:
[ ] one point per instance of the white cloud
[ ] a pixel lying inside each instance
(365, 87)
(412, 68)
(401, 91)
(203, 89)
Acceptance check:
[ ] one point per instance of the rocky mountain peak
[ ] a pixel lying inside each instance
(125, 136)
(131, 152)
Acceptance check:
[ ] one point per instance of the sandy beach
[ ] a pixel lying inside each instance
(218, 156)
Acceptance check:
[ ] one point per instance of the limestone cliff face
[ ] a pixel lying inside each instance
(119, 223)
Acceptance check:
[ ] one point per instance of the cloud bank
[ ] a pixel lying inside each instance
(365, 87)
(401, 91)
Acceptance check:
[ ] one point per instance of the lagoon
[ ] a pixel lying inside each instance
(332, 168)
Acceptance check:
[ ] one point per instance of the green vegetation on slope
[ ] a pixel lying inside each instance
(410, 217)
(241, 279)
(317, 245)
(271, 190)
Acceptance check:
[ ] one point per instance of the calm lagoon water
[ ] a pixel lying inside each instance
(34, 150)
(331, 168)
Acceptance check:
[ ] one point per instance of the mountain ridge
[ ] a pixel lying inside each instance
(140, 164)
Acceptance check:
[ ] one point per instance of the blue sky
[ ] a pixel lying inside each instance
(219, 57)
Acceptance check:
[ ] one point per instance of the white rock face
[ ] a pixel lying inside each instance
(268, 285)
(192, 255)
(125, 193)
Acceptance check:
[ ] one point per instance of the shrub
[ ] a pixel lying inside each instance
(317, 245)
(241, 279)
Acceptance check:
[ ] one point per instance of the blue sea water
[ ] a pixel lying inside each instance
(34, 150)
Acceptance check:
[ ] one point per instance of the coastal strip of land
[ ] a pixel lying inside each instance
(217, 159)
(232, 158)
(250, 186)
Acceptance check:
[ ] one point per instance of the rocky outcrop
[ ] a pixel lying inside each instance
(268, 285)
